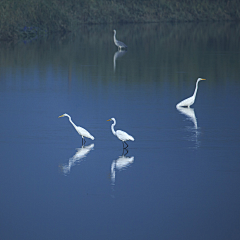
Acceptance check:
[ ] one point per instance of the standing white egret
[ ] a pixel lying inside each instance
(81, 131)
(190, 101)
(118, 43)
(121, 135)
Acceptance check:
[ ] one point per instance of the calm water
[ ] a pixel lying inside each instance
(180, 177)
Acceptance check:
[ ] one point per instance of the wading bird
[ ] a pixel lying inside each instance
(190, 101)
(121, 135)
(118, 43)
(81, 131)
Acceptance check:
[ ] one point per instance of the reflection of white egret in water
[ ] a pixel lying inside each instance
(117, 55)
(122, 163)
(190, 114)
(77, 158)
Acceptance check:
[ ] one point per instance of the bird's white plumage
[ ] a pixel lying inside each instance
(121, 135)
(119, 44)
(187, 102)
(81, 131)
(190, 101)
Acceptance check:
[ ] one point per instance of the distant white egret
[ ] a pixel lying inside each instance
(118, 43)
(81, 131)
(190, 101)
(121, 135)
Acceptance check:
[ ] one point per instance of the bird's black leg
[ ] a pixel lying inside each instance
(83, 141)
(126, 144)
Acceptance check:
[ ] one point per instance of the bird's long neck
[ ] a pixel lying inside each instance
(70, 120)
(114, 37)
(196, 88)
(112, 127)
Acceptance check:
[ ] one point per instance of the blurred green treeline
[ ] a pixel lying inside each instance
(29, 18)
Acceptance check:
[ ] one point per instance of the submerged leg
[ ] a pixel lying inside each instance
(124, 153)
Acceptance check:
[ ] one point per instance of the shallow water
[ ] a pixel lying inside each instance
(179, 179)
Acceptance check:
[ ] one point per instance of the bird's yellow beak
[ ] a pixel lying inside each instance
(60, 116)
(109, 119)
(203, 79)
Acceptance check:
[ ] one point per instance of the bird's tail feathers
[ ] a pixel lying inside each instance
(131, 138)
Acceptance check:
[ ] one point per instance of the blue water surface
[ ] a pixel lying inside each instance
(179, 179)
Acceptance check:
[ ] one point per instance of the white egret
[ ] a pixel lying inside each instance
(118, 43)
(121, 135)
(81, 131)
(190, 101)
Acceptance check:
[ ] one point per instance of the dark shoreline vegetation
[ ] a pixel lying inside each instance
(27, 19)
(169, 39)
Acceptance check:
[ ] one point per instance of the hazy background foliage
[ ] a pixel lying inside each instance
(93, 46)
(28, 18)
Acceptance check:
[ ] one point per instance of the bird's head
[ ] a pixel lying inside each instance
(111, 119)
(114, 31)
(64, 115)
(199, 79)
